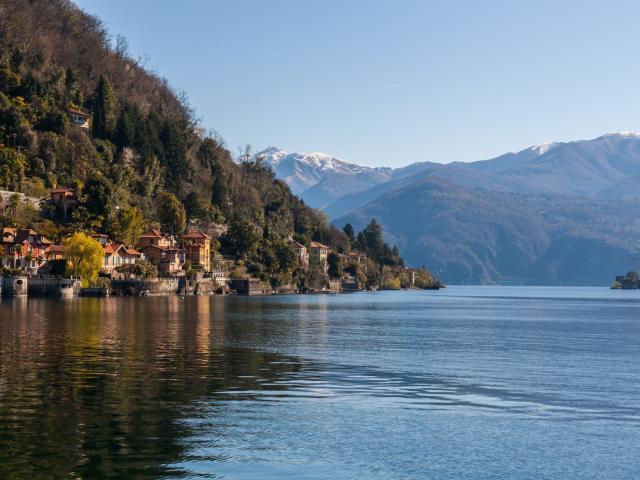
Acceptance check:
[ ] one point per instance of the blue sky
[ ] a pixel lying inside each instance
(393, 82)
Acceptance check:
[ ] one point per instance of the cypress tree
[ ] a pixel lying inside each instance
(104, 109)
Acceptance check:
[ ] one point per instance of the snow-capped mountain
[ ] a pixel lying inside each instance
(319, 178)
(557, 213)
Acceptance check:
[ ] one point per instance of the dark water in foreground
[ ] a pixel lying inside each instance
(470, 382)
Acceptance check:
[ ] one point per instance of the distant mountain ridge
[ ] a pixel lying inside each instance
(319, 178)
(556, 213)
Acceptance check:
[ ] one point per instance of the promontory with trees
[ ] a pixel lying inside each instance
(96, 150)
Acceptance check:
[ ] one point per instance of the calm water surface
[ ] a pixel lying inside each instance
(469, 382)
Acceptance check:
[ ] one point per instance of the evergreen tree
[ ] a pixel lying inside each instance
(98, 196)
(241, 238)
(125, 130)
(104, 109)
(349, 232)
(373, 239)
(171, 213)
(335, 266)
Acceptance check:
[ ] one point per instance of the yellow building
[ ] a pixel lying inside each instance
(318, 253)
(197, 247)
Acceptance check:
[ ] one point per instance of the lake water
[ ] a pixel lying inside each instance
(468, 382)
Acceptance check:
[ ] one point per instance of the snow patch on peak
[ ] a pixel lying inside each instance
(622, 134)
(276, 157)
(270, 151)
(544, 147)
(271, 155)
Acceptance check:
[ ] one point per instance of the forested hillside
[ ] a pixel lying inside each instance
(144, 160)
(554, 213)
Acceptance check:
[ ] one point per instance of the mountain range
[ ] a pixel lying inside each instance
(557, 213)
(318, 178)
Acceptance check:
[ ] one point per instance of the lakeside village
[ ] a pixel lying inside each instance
(160, 263)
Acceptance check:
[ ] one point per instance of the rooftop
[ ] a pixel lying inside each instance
(152, 233)
(197, 234)
(78, 112)
(318, 245)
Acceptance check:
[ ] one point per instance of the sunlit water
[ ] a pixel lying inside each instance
(469, 382)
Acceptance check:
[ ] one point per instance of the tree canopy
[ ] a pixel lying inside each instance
(85, 256)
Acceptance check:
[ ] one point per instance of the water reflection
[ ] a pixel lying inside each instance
(407, 385)
(96, 388)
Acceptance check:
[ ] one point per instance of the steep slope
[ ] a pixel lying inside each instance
(626, 189)
(472, 236)
(141, 159)
(464, 235)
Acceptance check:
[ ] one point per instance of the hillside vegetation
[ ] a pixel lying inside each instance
(143, 161)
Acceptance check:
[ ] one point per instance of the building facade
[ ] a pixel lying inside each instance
(318, 253)
(197, 247)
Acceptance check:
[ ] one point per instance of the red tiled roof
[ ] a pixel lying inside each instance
(108, 248)
(318, 245)
(196, 234)
(121, 246)
(152, 233)
(133, 251)
(61, 190)
(55, 249)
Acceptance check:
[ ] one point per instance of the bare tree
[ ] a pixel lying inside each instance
(245, 153)
(121, 47)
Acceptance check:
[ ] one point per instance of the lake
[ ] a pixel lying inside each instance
(468, 382)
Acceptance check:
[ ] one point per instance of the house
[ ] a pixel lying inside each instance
(154, 237)
(24, 248)
(63, 199)
(318, 253)
(79, 118)
(301, 252)
(197, 247)
(357, 257)
(116, 255)
(59, 195)
(7, 241)
(168, 260)
(54, 252)
(163, 251)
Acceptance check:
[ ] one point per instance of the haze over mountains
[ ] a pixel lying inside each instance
(558, 213)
